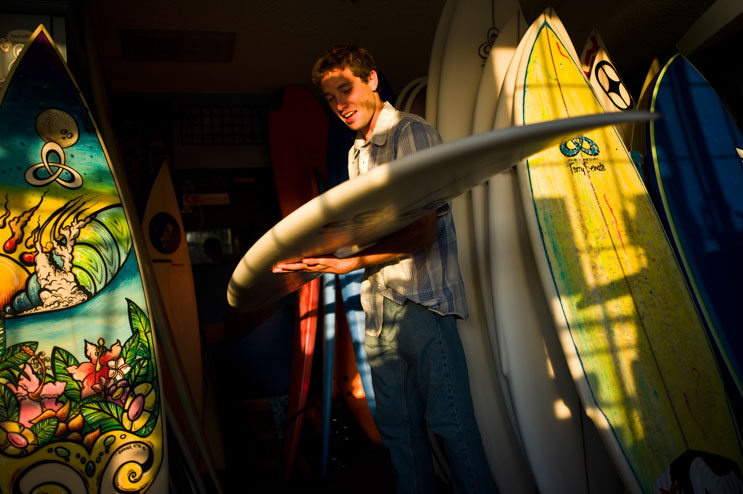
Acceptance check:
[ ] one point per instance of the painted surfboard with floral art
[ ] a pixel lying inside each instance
(80, 403)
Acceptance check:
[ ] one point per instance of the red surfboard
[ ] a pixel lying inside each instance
(298, 139)
(348, 376)
(298, 136)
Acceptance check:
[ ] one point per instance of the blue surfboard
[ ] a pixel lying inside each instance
(697, 178)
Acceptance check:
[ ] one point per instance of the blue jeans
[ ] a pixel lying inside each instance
(419, 374)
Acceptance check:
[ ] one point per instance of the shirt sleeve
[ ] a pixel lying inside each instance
(414, 135)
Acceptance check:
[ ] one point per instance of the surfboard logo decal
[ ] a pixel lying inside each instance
(608, 79)
(582, 153)
(58, 130)
(493, 32)
(484, 49)
(164, 232)
(697, 471)
(580, 144)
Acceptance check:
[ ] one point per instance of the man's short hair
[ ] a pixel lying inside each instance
(341, 56)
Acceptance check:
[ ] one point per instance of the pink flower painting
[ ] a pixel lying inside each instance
(90, 373)
(34, 397)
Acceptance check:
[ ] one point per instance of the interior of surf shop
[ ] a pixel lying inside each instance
(214, 133)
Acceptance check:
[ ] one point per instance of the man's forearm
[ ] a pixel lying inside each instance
(411, 239)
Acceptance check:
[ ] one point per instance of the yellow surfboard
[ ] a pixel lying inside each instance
(627, 323)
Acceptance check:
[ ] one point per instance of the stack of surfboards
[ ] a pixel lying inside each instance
(550, 417)
(605, 80)
(359, 212)
(462, 41)
(636, 347)
(538, 418)
(494, 239)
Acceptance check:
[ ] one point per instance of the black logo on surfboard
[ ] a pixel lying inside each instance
(608, 79)
(164, 232)
(484, 49)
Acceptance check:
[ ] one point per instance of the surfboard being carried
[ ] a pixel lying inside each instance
(81, 408)
(342, 220)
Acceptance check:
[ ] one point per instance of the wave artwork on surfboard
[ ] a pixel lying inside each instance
(80, 404)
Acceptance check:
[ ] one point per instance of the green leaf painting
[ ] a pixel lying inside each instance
(10, 410)
(62, 360)
(140, 372)
(107, 416)
(45, 430)
(18, 354)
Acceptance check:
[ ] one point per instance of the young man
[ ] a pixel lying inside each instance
(412, 292)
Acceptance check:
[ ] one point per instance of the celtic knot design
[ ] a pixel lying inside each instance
(58, 130)
(35, 178)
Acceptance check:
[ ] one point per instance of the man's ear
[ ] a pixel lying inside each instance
(373, 80)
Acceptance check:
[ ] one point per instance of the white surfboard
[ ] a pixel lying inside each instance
(544, 397)
(166, 244)
(437, 57)
(491, 83)
(359, 212)
(468, 45)
(635, 346)
(163, 230)
(605, 80)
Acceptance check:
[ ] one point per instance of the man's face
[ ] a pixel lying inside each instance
(352, 99)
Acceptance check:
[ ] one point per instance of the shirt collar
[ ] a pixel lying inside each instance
(385, 122)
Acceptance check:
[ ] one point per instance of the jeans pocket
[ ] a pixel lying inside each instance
(394, 314)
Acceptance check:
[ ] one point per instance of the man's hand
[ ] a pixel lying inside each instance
(416, 236)
(319, 265)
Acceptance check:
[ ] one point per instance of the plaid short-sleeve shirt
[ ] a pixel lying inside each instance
(430, 277)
